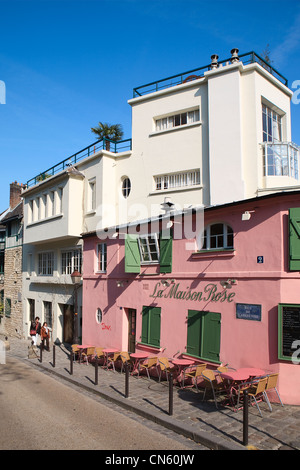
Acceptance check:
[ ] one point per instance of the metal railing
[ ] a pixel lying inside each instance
(103, 144)
(248, 58)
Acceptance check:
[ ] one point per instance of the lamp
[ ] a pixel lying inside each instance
(228, 284)
(76, 280)
(247, 215)
(167, 282)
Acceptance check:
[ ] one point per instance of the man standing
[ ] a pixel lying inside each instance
(38, 330)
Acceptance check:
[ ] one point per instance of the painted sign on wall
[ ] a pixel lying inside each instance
(210, 293)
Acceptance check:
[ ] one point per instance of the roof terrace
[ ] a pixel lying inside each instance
(248, 58)
(103, 144)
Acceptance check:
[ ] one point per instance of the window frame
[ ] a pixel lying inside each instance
(177, 120)
(151, 326)
(73, 262)
(145, 249)
(102, 257)
(46, 260)
(206, 237)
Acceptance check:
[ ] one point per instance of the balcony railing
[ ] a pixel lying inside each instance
(248, 58)
(103, 144)
(280, 159)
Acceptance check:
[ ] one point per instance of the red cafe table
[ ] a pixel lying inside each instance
(181, 365)
(236, 377)
(138, 357)
(107, 352)
(83, 347)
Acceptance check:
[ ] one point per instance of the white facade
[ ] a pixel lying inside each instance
(202, 142)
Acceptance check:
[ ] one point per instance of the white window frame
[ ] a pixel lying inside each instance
(178, 119)
(178, 180)
(148, 255)
(102, 257)
(91, 202)
(46, 263)
(71, 260)
(207, 236)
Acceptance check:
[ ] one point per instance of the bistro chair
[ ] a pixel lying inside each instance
(211, 383)
(126, 359)
(90, 352)
(164, 366)
(194, 374)
(111, 360)
(271, 385)
(151, 363)
(99, 354)
(256, 391)
(75, 351)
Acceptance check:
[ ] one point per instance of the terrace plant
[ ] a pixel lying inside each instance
(108, 131)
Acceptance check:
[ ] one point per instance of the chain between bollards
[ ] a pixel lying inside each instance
(245, 418)
(171, 394)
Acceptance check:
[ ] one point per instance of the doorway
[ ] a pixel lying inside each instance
(131, 329)
(68, 315)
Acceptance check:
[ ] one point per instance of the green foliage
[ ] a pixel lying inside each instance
(112, 132)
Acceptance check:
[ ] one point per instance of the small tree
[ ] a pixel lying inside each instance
(112, 132)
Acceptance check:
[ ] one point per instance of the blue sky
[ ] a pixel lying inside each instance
(69, 64)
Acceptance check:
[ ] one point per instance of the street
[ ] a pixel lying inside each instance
(39, 412)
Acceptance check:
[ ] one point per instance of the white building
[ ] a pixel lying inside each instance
(218, 134)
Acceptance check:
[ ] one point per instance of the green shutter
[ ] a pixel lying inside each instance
(211, 324)
(151, 326)
(193, 332)
(165, 256)
(294, 239)
(132, 254)
(154, 337)
(145, 324)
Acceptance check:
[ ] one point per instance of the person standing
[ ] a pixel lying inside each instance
(33, 333)
(45, 336)
(38, 330)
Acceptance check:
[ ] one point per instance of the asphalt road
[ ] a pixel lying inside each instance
(39, 412)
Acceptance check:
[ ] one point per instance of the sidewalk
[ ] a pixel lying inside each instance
(196, 419)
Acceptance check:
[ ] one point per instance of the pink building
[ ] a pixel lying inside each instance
(230, 294)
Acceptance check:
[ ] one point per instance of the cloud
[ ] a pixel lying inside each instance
(290, 44)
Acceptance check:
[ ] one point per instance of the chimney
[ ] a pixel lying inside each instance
(15, 194)
(214, 61)
(234, 56)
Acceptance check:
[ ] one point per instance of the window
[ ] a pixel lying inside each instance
(71, 261)
(217, 237)
(46, 264)
(102, 257)
(126, 187)
(271, 125)
(99, 315)
(177, 180)
(48, 313)
(7, 307)
(92, 195)
(151, 326)
(203, 335)
(148, 249)
(176, 120)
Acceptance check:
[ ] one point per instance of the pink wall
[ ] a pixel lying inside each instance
(243, 342)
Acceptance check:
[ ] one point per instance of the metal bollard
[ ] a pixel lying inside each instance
(245, 418)
(171, 394)
(126, 381)
(96, 372)
(71, 363)
(41, 353)
(53, 360)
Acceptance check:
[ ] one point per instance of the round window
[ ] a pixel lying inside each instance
(99, 315)
(126, 187)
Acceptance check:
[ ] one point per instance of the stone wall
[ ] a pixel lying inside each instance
(13, 324)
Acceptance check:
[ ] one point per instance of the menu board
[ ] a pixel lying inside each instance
(289, 329)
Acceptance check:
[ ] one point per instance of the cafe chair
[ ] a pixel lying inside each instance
(75, 351)
(256, 391)
(211, 383)
(88, 354)
(164, 366)
(126, 359)
(271, 385)
(195, 374)
(99, 354)
(111, 360)
(149, 364)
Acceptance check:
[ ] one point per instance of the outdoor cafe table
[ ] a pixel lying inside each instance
(107, 352)
(181, 365)
(236, 377)
(83, 347)
(138, 357)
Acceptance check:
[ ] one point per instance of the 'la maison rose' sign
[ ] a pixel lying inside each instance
(209, 293)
